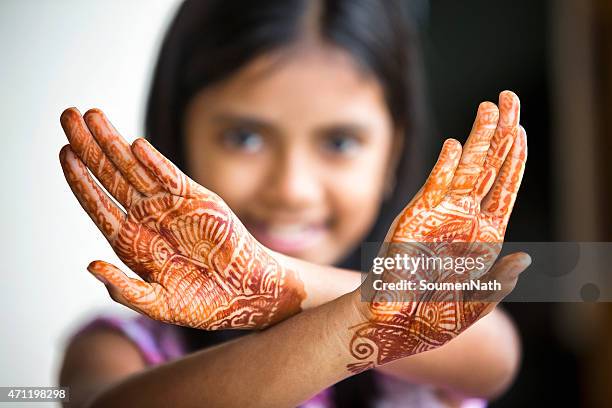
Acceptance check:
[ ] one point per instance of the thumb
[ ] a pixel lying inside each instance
(136, 294)
(505, 272)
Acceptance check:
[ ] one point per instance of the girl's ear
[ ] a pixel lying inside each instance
(394, 157)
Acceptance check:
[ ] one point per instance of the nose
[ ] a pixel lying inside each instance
(294, 182)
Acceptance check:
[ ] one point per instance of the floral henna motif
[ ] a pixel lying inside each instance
(467, 198)
(201, 267)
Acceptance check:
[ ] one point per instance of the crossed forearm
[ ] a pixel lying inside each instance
(281, 366)
(290, 362)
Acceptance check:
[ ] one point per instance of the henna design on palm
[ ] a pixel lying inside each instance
(467, 198)
(200, 266)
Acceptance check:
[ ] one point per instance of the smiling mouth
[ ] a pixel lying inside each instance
(289, 238)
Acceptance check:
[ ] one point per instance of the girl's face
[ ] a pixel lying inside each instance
(300, 145)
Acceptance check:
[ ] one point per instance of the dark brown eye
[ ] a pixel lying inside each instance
(341, 144)
(243, 139)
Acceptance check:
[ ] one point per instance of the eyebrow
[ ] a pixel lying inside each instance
(265, 125)
(350, 128)
(244, 120)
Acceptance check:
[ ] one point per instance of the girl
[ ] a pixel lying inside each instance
(302, 117)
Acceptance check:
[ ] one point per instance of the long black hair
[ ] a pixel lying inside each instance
(209, 40)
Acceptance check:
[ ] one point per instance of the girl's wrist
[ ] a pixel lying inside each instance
(290, 289)
(363, 312)
(319, 284)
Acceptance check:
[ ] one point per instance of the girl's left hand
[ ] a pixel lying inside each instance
(201, 267)
(462, 211)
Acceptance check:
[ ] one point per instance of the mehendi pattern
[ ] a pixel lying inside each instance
(467, 198)
(200, 266)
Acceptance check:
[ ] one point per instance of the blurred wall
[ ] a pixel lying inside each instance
(55, 54)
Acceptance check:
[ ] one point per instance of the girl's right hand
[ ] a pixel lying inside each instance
(201, 267)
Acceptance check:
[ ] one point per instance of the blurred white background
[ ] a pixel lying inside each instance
(55, 54)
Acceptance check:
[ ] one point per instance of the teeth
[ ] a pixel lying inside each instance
(287, 231)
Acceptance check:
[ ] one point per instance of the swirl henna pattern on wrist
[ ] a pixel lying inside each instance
(201, 267)
(467, 198)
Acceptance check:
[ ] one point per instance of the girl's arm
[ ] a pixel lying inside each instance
(290, 362)
(278, 367)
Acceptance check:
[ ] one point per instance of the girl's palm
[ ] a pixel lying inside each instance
(462, 210)
(201, 267)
